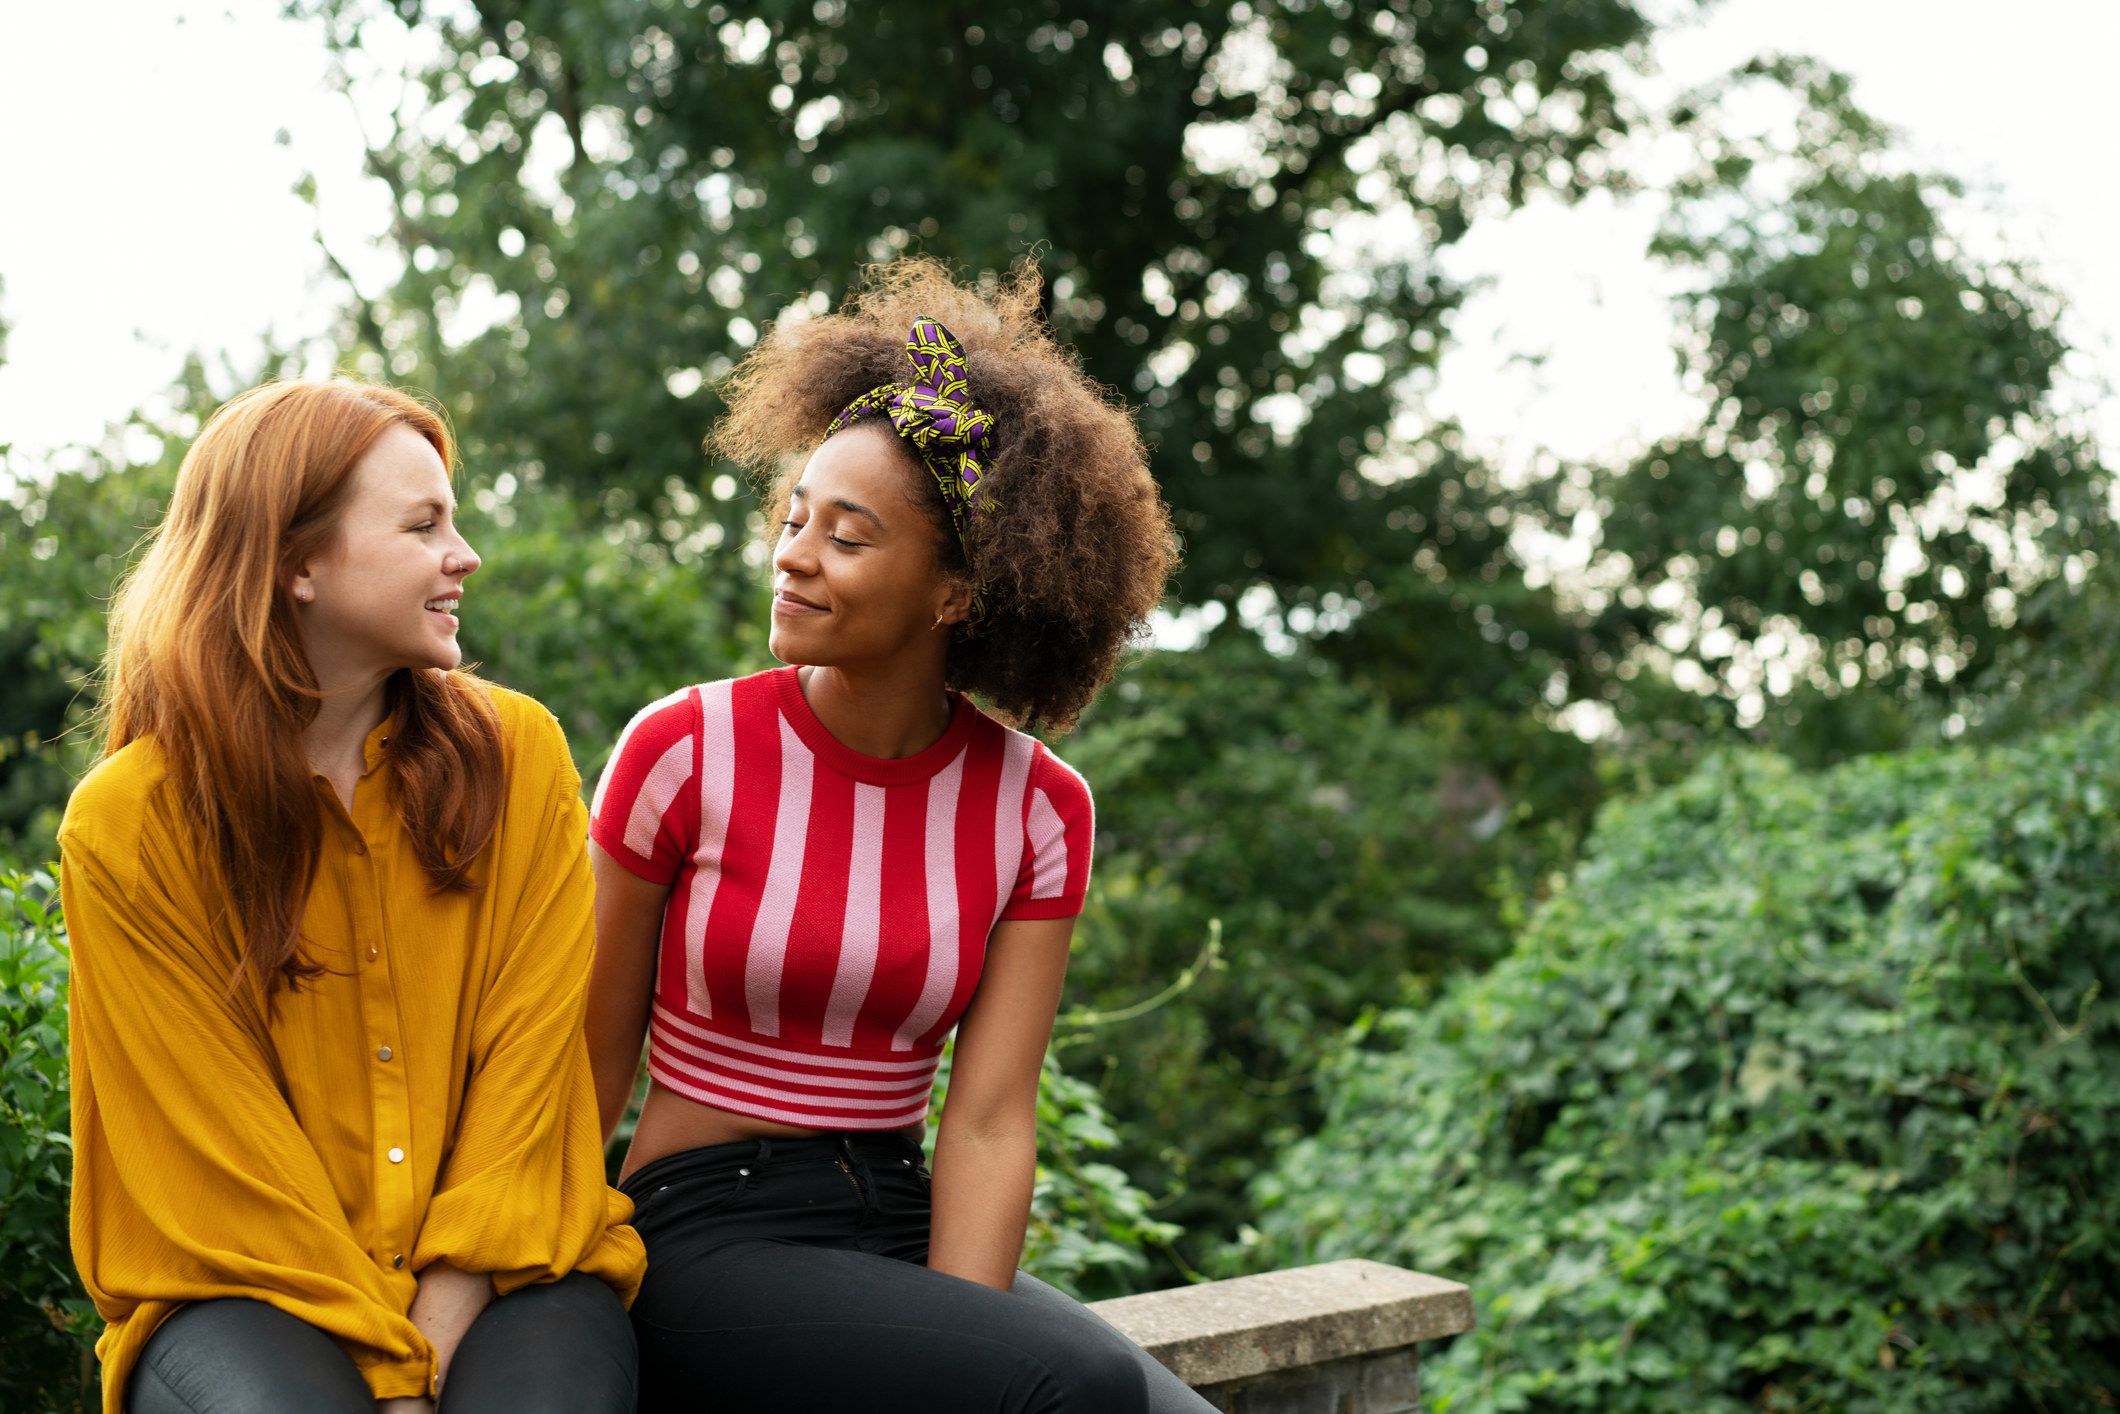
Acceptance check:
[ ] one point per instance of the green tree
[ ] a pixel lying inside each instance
(1797, 1096)
(1237, 206)
(1881, 487)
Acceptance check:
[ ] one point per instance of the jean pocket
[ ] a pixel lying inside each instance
(689, 1199)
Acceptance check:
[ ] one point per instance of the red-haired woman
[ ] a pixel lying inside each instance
(334, 1124)
(807, 878)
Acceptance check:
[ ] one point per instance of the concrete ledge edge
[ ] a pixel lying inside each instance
(1255, 1325)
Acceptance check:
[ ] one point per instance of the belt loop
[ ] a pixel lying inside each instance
(759, 1162)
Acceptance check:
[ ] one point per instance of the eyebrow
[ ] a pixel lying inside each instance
(431, 504)
(851, 507)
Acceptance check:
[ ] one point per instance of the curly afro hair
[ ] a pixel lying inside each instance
(1076, 541)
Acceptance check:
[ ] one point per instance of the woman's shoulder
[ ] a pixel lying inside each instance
(534, 743)
(1063, 785)
(519, 712)
(107, 814)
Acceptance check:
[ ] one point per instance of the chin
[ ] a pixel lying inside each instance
(790, 650)
(445, 657)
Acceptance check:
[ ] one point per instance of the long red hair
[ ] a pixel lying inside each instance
(205, 658)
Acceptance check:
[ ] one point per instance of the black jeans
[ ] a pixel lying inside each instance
(563, 1347)
(790, 1275)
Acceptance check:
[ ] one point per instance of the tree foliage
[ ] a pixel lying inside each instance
(1880, 488)
(1346, 855)
(64, 538)
(1799, 1096)
(634, 187)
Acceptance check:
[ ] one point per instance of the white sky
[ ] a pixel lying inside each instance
(1569, 346)
(146, 208)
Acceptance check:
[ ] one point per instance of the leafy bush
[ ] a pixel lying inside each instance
(1799, 1096)
(46, 1323)
(1351, 856)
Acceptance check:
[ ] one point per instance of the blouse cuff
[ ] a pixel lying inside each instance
(406, 1377)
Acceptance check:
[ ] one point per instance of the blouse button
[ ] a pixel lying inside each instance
(397, 1156)
(398, 1260)
(371, 952)
(360, 847)
(382, 1053)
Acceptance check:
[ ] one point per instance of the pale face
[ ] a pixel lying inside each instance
(856, 580)
(384, 596)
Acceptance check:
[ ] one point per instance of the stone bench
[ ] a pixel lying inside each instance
(1337, 1338)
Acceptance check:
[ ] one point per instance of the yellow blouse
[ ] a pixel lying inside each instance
(427, 1096)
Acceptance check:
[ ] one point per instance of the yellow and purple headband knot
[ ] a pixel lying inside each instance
(935, 414)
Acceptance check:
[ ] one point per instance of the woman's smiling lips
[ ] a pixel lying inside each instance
(793, 605)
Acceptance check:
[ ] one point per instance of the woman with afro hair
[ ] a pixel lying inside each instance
(807, 878)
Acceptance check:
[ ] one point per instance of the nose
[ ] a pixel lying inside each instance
(792, 555)
(467, 560)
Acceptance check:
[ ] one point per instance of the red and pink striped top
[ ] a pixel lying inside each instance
(829, 911)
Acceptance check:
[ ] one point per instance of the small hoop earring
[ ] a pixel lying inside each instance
(935, 625)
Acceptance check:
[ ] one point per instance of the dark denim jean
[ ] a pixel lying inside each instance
(791, 1275)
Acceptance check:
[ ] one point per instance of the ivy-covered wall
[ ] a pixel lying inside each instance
(1800, 1095)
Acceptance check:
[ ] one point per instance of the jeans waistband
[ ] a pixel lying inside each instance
(757, 1153)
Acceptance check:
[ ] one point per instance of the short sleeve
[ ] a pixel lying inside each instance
(643, 815)
(1059, 835)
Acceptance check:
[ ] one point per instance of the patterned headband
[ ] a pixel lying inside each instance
(935, 414)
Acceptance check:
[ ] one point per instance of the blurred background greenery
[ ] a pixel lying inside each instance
(1667, 893)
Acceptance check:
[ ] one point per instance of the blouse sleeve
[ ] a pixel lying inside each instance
(643, 816)
(1060, 831)
(192, 1177)
(522, 1195)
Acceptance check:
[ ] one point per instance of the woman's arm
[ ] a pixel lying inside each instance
(629, 919)
(986, 1151)
(448, 1302)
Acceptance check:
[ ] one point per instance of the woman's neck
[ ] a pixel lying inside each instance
(888, 715)
(336, 740)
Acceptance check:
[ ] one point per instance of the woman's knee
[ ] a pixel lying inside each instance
(557, 1346)
(243, 1357)
(1092, 1375)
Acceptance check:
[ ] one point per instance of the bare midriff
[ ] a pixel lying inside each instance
(670, 1124)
